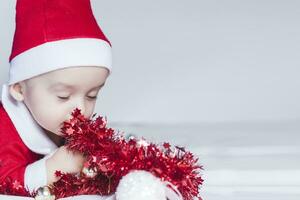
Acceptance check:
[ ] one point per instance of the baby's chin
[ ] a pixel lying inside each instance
(56, 132)
(55, 136)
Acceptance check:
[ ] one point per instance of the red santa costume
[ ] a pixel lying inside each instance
(49, 35)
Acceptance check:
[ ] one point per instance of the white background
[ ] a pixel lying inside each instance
(219, 77)
(194, 61)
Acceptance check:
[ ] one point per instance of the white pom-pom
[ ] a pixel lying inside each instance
(140, 185)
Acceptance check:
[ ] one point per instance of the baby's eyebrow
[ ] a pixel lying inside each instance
(67, 86)
(63, 85)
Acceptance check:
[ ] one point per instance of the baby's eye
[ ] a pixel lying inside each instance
(63, 98)
(92, 97)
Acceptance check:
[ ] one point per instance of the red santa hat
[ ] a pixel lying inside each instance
(55, 34)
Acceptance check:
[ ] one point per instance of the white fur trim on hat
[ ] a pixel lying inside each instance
(60, 54)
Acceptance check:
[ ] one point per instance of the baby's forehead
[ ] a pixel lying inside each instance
(69, 85)
(84, 78)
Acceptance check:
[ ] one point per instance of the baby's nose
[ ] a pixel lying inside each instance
(81, 107)
(77, 105)
(69, 116)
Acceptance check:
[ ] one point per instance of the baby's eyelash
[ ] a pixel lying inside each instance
(94, 97)
(64, 98)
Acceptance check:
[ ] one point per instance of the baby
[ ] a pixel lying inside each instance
(60, 60)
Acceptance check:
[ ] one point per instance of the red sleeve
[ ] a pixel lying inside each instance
(14, 154)
(12, 162)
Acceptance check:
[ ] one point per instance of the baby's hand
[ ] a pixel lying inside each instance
(65, 161)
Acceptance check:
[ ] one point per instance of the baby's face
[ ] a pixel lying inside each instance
(51, 97)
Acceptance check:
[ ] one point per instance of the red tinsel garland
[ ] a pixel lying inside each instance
(111, 156)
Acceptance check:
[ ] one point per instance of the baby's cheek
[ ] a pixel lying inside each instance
(51, 116)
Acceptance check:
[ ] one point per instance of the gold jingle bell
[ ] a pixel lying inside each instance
(44, 193)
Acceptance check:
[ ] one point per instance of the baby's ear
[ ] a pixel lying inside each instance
(16, 91)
